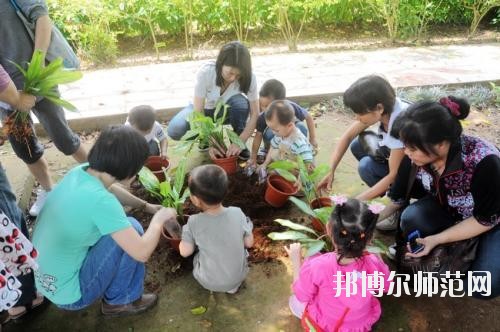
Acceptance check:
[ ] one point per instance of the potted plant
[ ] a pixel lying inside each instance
(170, 193)
(158, 165)
(212, 131)
(282, 184)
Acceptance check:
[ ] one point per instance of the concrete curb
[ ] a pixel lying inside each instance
(93, 123)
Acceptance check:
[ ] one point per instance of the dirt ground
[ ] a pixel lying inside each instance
(261, 304)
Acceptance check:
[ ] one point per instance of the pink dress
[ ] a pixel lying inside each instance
(316, 287)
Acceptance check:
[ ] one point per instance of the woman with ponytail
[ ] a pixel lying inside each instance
(457, 183)
(324, 298)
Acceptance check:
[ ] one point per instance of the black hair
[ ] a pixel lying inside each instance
(273, 89)
(119, 151)
(142, 117)
(235, 54)
(352, 225)
(427, 123)
(283, 110)
(209, 183)
(368, 91)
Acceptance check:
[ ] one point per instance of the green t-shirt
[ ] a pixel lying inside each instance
(76, 214)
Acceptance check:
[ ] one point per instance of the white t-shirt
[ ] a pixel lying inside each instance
(156, 132)
(388, 140)
(207, 88)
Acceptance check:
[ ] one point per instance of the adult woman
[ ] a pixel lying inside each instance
(12, 220)
(458, 180)
(373, 100)
(88, 247)
(226, 80)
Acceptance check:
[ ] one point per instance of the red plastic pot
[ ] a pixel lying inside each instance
(156, 164)
(278, 190)
(317, 225)
(229, 164)
(174, 242)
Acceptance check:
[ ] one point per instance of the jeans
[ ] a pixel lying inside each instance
(268, 134)
(237, 115)
(154, 148)
(9, 206)
(370, 170)
(428, 217)
(109, 272)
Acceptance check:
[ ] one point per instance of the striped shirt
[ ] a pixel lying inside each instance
(288, 148)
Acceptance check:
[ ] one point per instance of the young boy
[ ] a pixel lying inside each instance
(288, 142)
(142, 118)
(270, 91)
(220, 233)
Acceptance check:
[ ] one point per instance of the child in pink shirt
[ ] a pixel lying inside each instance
(317, 300)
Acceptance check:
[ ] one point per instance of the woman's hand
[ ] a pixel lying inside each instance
(25, 102)
(164, 215)
(326, 182)
(233, 150)
(214, 153)
(429, 243)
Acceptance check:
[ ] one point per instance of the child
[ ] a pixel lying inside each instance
(221, 234)
(288, 142)
(315, 296)
(142, 119)
(270, 91)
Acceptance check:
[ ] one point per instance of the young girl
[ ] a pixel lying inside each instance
(373, 100)
(316, 299)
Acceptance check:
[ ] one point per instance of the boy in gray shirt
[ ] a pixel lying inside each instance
(221, 234)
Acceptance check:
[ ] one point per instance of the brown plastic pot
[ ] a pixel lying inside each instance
(156, 164)
(317, 225)
(174, 242)
(229, 164)
(278, 190)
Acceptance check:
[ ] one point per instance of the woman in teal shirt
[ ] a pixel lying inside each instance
(88, 247)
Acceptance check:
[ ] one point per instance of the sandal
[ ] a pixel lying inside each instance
(28, 309)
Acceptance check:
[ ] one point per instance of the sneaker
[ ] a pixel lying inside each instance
(261, 155)
(41, 196)
(244, 154)
(388, 224)
(146, 302)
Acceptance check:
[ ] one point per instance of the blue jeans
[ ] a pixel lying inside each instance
(268, 134)
(428, 217)
(237, 115)
(8, 205)
(370, 170)
(109, 272)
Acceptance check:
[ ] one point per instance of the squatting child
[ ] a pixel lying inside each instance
(143, 119)
(220, 233)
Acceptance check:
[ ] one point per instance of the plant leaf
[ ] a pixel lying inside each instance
(199, 310)
(323, 214)
(283, 164)
(287, 235)
(180, 175)
(295, 226)
(286, 175)
(313, 247)
(303, 206)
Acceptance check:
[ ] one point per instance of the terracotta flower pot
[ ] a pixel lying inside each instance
(317, 225)
(174, 242)
(156, 165)
(229, 164)
(278, 190)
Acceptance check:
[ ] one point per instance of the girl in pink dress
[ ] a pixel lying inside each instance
(325, 297)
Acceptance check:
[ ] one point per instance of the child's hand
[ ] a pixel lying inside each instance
(294, 251)
(310, 167)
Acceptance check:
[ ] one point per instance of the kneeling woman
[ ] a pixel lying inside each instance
(458, 178)
(88, 248)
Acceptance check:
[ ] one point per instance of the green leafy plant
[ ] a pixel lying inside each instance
(495, 89)
(322, 213)
(479, 10)
(171, 192)
(307, 237)
(211, 131)
(42, 81)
